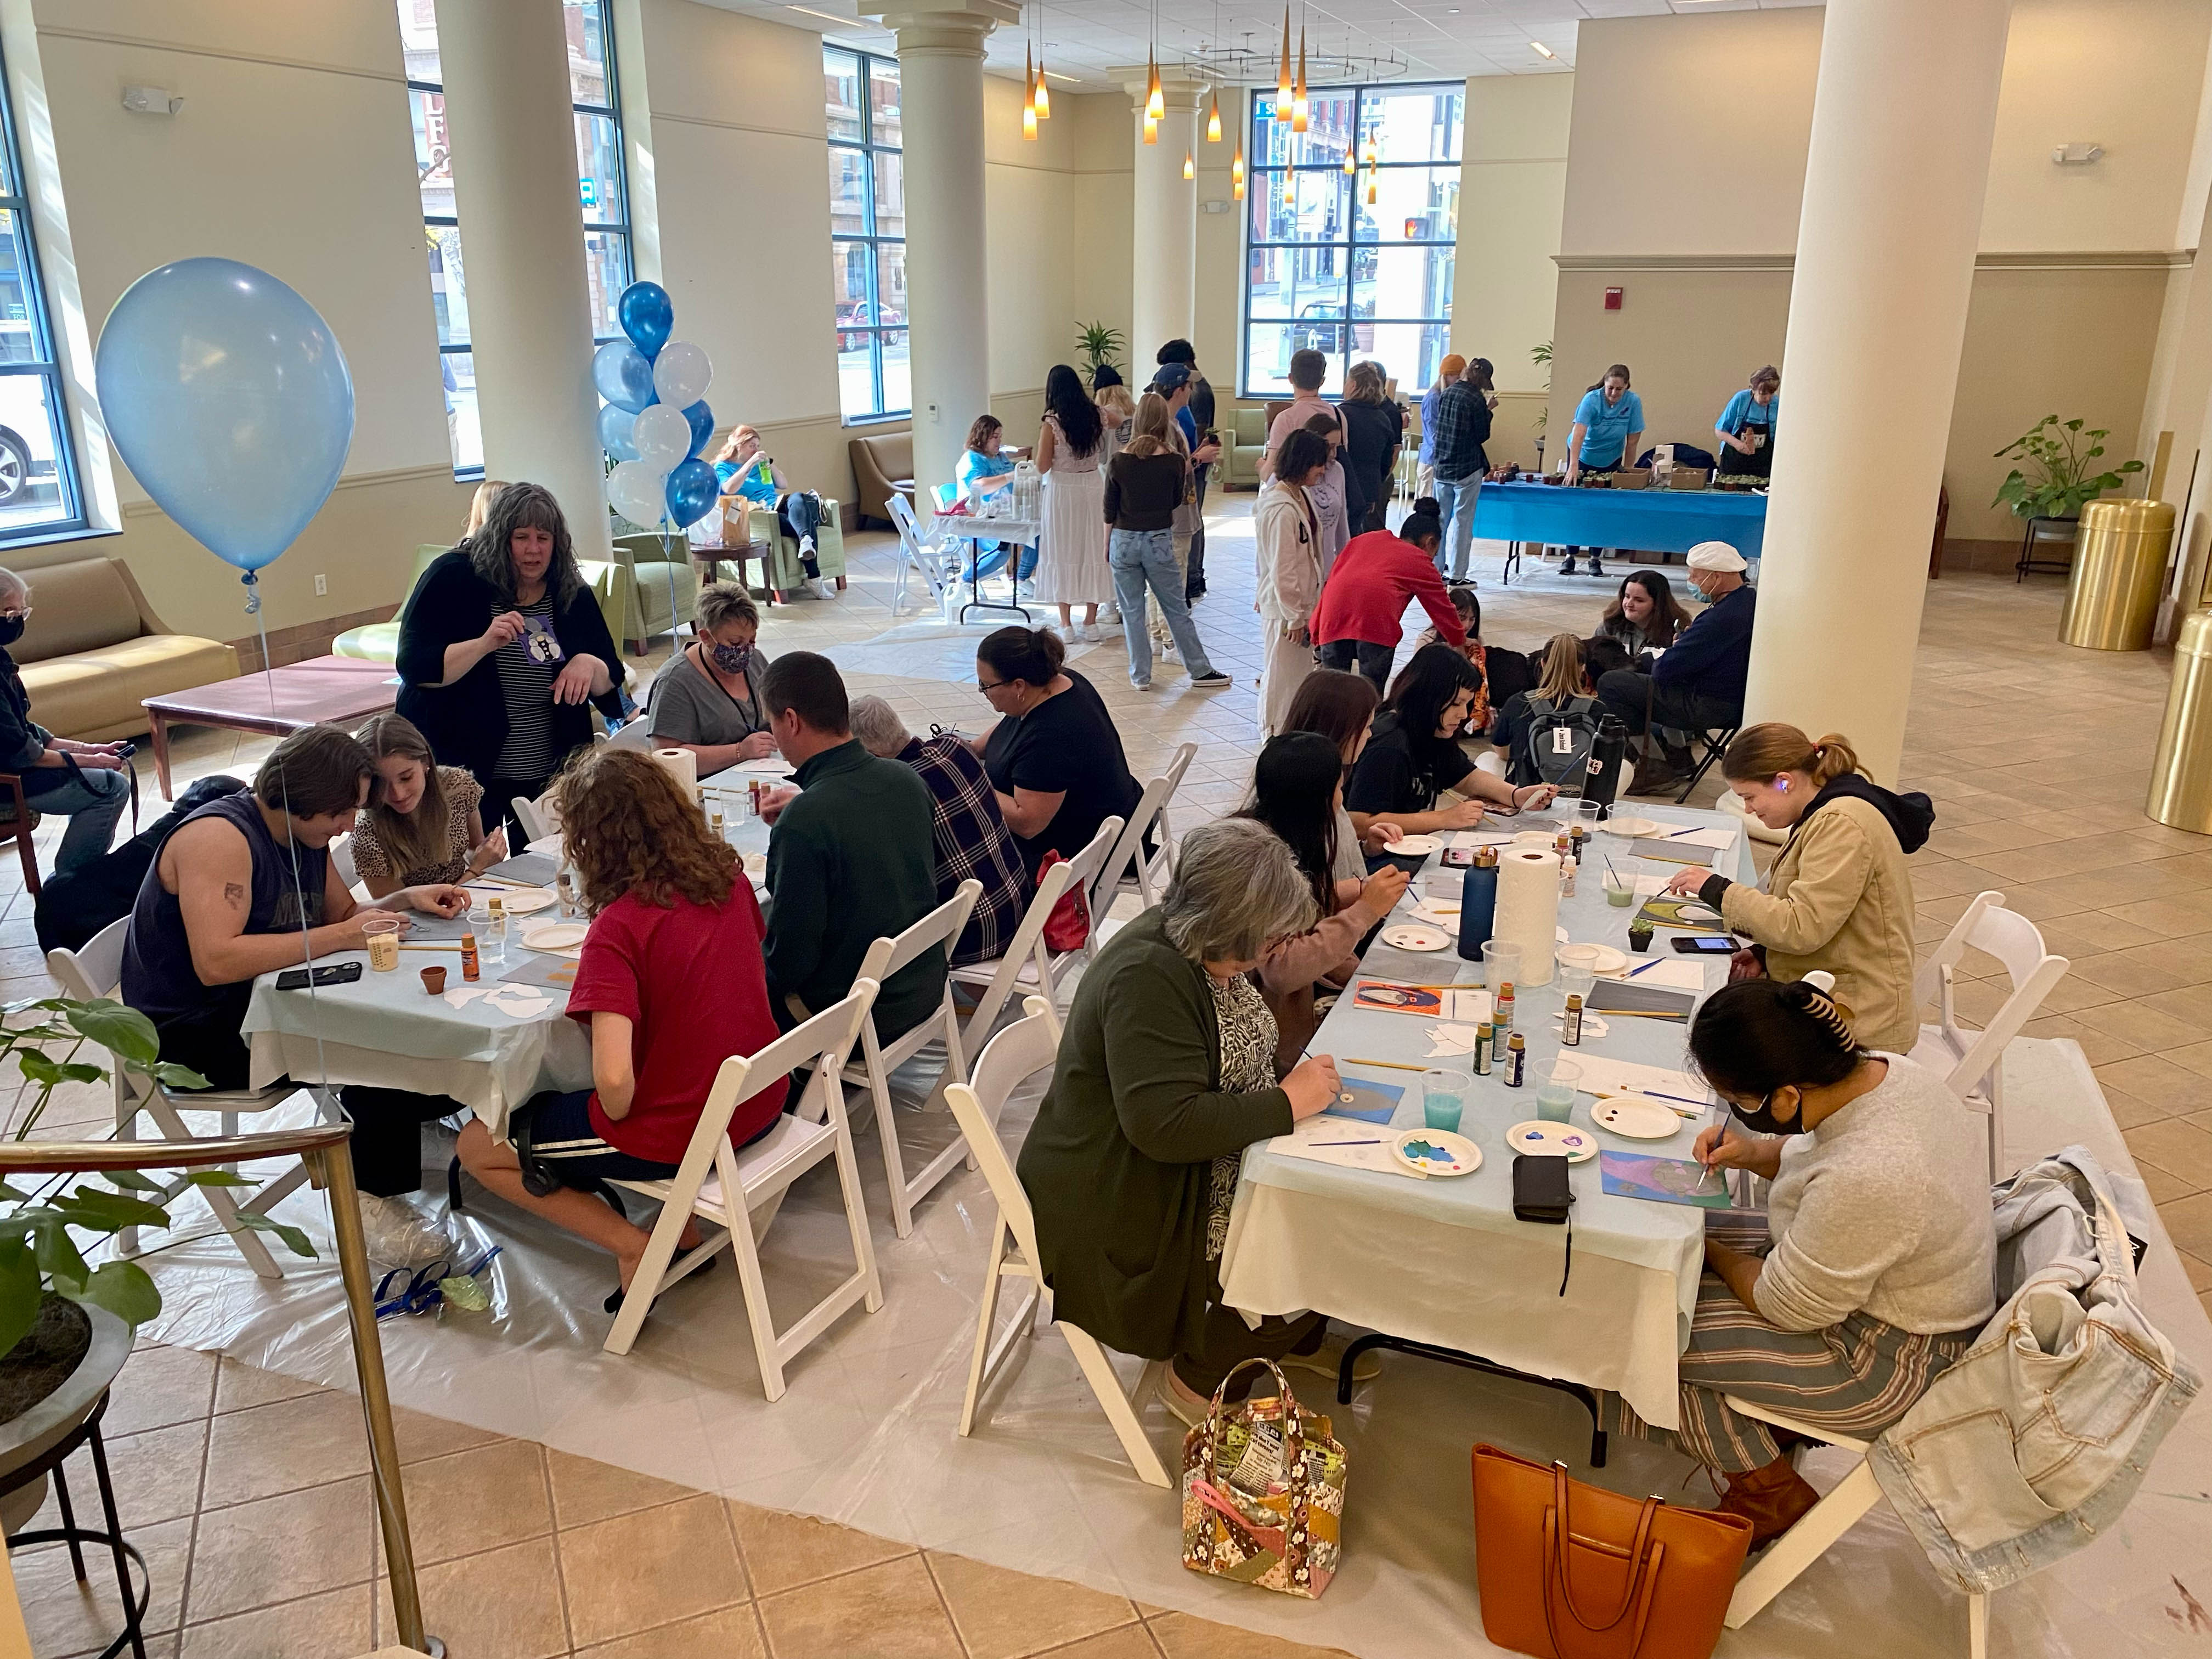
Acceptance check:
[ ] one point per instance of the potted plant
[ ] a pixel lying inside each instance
(1540, 355)
(1100, 345)
(2058, 479)
(66, 1327)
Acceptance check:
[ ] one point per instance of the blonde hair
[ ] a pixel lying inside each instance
(1116, 403)
(1365, 384)
(480, 505)
(1152, 419)
(1769, 750)
(421, 838)
(1562, 675)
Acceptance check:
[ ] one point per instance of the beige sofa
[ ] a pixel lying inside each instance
(94, 650)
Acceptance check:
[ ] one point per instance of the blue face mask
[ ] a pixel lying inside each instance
(732, 659)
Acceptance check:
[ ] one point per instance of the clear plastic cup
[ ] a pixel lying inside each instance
(1443, 1096)
(383, 939)
(1620, 888)
(1577, 971)
(1555, 1095)
(1501, 965)
(1583, 813)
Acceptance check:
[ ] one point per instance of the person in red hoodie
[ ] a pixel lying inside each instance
(1357, 624)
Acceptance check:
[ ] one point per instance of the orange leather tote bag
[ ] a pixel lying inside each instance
(1570, 1571)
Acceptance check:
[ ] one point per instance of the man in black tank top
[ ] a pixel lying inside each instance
(246, 886)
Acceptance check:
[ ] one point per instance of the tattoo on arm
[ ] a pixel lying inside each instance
(233, 895)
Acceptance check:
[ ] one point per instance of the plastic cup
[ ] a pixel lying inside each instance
(1620, 888)
(383, 940)
(1583, 813)
(1555, 1095)
(1501, 965)
(1444, 1096)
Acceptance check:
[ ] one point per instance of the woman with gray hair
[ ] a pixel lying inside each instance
(707, 698)
(88, 783)
(1165, 1074)
(501, 647)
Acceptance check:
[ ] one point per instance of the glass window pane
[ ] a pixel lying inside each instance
(848, 191)
(20, 340)
(884, 122)
(890, 193)
(449, 294)
(1402, 283)
(433, 155)
(841, 90)
(1329, 118)
(1414, 123)
(899, 393)
(1267, 348)
(462, 431)
(1409, 352)
(1299, 207)
(31, 493)
(586, 24)
(856, 375)
(848, 282)
(1412, 204)
(891, 282)
(418, 39)
(1306, 282)
(599, 169)
(606, 265)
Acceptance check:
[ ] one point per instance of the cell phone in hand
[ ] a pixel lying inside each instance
(333, 973)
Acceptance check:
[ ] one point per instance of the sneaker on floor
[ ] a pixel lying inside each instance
(1166, 648)
(1568, 568)
(397, 1234)
(1216, 681)
(1189, 1406)
(1140, 685)
(1329, 1359)
(1597, 569)
(822, 587)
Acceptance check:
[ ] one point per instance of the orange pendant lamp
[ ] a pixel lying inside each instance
(1042, 103)
(1299, 96)
(1213, 119)
(1282, 78)
(1031, 81)
(1236, 171)
(1189, 165)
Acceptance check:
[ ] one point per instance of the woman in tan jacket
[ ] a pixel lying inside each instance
(1839, 895)
(1286, 538)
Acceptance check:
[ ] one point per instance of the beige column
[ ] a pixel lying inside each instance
(1163, 225)
(505, 68)
(940, 52)
(1903, 117)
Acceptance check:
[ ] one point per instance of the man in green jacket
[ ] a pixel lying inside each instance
(852, 857)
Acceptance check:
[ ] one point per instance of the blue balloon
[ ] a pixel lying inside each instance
(646, 316)
(229, 398)
(615, 424)
(702, 425)
(693, 491)
(623, 378)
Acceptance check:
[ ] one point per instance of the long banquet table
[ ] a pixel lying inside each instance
(1647, 521)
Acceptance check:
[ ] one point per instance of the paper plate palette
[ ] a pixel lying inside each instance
(520, 900)
(1610, 959)
(555, 936)
(1637, 1117)
(1410, 845)
(1629, 828)
(1416, 936)
(1437, 1153)
(1534, 838)
(1543, 1140)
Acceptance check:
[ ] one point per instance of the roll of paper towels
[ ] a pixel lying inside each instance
(1528, 909)
(683, 766)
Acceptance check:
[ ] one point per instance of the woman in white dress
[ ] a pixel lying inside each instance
(1072, 565)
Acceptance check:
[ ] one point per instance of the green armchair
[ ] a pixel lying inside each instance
(1248, 433)
(657, 588)
(784, 570)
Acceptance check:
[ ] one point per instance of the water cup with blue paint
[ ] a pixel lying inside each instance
(1443, 1096)
(1555, 1095)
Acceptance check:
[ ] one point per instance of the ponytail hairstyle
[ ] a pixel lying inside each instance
(1756, 1035)
(1561, 676)
(1031, 656)
(1773, 748)
(1423, 526)
(1152, 419)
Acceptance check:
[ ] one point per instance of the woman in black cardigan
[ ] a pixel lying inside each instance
(501, 648)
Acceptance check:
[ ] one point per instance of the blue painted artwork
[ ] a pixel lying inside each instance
(1370, 1102)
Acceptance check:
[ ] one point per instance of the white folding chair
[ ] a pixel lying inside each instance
(539, 819)
(1028, 1046)
(635, 734)
(873, 1070)
(1029, 961)
(96, 974)
(1970, 1062)
(1176, 768)
(1821, 1526)
(918, 551)
(1127, 868)
(341, 857)
(722, 1186)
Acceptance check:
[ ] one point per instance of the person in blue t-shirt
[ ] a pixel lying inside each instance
(984, 458)
(1746, 425)
(1608, 431)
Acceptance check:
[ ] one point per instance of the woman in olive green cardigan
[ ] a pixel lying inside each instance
(1165, 1074)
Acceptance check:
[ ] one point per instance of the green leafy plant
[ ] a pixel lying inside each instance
(1540, 355)
(2058, 479)
(1100, 345)
(37, 1252)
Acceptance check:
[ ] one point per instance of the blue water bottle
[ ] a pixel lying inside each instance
(1478, 904)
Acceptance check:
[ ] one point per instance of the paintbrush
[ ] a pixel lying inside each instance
(1392, 1065)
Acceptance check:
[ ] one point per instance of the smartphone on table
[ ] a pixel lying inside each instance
(332, 973)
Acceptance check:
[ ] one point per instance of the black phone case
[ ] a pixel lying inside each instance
(1540, 1192)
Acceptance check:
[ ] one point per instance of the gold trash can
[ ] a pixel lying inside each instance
(2181, 775)
(2119, 573)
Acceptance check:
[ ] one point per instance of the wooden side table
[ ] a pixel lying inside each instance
(706, 556)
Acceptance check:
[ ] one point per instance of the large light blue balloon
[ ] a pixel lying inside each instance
(692, 490)
(646, 315)
(623, 378)
(615, 424)
(229, 399)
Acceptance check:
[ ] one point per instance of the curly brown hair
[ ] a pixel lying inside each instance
(631, 829)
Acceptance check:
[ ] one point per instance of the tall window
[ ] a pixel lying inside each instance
(1328, 269)
(599, 186)
(38, 469)
(868, 233)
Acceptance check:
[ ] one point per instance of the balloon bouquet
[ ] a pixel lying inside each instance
(655, 423)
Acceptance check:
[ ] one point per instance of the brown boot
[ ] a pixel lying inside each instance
(1653, 775)
(1773, 1500)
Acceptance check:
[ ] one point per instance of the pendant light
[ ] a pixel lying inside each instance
(1152, 129)
(1351, 158)
(1030, 82)
(1213, 119)
(1282, 78)
(1156, 106)
(1189, 165)
(1236, 171)
(1299, 96)
(1040, 101)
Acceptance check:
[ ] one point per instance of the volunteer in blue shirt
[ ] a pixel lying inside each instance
(1697, 685)
(1609, 430)
(983, 457)
(1746, 428)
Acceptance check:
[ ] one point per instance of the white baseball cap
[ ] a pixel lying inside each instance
(1716, 556)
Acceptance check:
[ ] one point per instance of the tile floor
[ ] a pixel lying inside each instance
(248, 1491)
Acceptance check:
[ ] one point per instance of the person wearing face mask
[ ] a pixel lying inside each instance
(1697, 686)
(1872, 1269)
(707, 697)
(89, 783)
(1839, 896)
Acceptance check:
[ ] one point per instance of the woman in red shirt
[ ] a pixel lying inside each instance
(670, 984)
(1357, 623)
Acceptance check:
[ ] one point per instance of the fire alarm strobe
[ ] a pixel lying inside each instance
(1612, 299)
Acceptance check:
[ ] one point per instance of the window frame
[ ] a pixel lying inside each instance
(619, 226)
(14, 197)
(867, 148)
(1350, 244)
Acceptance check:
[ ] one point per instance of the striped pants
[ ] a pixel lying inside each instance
(1856, 1378)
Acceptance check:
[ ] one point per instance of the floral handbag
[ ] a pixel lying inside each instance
(1263, 1493)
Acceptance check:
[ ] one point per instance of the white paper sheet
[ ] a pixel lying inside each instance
(1719, 838)
(1344, 1141)
(1676, 973)
(1603, 1075)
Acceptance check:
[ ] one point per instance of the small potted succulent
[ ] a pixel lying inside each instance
(66, 1326)
(2058, 479)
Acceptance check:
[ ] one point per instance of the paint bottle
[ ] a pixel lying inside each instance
(1567, 878)
(1482, 1034)
(1501, 1008)
(470, 968)
(1517, 1062)
(1477, 903)
(1570, 1029)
